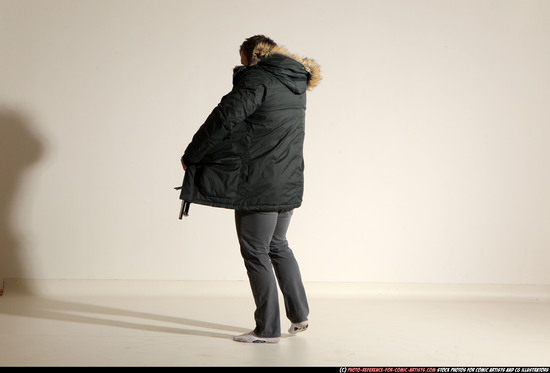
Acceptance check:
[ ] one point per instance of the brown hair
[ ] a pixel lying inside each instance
(248, 46)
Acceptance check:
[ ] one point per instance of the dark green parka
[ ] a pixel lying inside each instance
(248, 155)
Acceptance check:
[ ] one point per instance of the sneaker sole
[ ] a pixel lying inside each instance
(298, 329)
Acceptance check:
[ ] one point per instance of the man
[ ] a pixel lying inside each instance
(248, 156)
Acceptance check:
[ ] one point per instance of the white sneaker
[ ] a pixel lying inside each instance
(253, 338)
(298, 327)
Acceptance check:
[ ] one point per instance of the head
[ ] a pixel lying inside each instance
(253, 45)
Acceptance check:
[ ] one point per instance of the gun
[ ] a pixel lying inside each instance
(184, 209)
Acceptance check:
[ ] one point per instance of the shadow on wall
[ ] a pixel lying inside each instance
(19, 149)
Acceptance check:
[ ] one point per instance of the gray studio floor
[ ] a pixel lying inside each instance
(100, 324)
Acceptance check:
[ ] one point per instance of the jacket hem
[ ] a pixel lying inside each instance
(232, 206)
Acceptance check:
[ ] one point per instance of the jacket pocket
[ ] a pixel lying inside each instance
(219, 179)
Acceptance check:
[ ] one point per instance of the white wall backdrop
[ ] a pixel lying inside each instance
(427, 156)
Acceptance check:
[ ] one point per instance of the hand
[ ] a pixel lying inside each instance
(183, 164)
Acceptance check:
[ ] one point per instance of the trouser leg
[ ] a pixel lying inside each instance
(255, 230)
(287, 271)
(262, 237)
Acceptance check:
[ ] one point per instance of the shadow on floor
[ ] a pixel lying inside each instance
(53, 309)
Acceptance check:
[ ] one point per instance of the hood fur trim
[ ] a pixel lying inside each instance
(312, 68)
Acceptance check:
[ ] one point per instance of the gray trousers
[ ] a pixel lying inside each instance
(264, 247)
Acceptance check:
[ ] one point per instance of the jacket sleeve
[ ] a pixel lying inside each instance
(247, 95)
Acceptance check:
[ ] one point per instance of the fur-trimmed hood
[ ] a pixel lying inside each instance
(263, 51)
